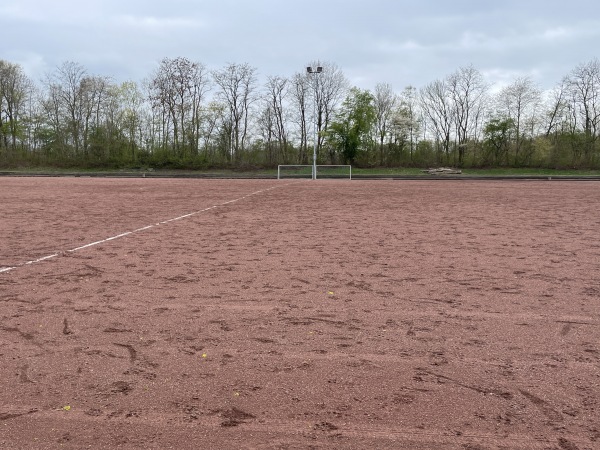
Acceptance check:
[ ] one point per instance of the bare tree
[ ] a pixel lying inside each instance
(177, 90)
(328, 89)
(436, 103)
(409, 106)
(213, 123)
(277, 91)
(237, 84)
(556, 105)
(266, 122)
(75, 105)
(384, 102)
(95, 92)
(401, 126)
(467, 90)
(518, 102)
(583, 85)
(66, 102)
(129, 110)
(299, 92)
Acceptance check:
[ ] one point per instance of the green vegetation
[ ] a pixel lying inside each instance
(532, 171)
(305, 172)
(81, 122)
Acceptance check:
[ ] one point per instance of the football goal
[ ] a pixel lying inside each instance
(306, 171)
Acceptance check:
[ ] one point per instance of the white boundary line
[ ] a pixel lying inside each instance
(127, 233)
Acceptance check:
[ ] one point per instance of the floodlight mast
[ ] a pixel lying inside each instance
(314, 71)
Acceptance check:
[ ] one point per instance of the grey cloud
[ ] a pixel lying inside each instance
(398, 42)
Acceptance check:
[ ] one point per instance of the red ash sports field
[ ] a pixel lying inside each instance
(299, 314)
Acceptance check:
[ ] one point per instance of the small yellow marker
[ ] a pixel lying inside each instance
(330, 292)
(66, 408)
(204, 355)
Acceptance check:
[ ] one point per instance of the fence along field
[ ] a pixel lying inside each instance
(386, 314)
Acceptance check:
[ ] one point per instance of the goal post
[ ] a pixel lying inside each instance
(322, 171)
(294, 171)
(334, 171)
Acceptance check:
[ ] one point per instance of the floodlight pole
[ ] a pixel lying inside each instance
(314, 72)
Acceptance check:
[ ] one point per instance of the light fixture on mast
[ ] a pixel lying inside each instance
(314, 71)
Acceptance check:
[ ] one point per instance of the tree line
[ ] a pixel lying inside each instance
(186, 116)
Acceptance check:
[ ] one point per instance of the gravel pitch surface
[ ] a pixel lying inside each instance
(190, 313)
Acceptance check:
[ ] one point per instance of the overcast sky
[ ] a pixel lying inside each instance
(372, 41)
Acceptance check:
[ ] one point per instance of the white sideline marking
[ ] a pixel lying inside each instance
(127, 233)
(100, 242)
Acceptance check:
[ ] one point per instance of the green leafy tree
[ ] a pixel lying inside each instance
(497, 138)
(15, 88)
(351, 133)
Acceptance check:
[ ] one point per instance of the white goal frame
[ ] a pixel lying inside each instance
(314, 169)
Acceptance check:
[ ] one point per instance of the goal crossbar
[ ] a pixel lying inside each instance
(306, 170)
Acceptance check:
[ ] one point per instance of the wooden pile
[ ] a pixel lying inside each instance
(443, 171)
